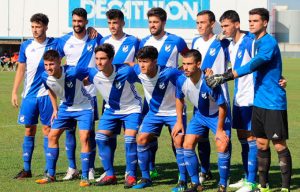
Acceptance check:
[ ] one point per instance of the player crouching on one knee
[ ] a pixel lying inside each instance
(210, 111)
(66, 84)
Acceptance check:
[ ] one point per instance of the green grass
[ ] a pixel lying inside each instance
(12, 137)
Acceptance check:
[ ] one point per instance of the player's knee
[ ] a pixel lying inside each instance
(178, 141)
(143, 139)
(46, 130)
(221, 147)
(279, 145)
(188, 144)
(30, 130)
(262, 144)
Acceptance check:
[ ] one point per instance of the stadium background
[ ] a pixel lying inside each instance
(15, 27)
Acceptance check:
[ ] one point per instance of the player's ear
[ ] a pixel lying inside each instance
(265, 23)
(198, 64)
(237, 25)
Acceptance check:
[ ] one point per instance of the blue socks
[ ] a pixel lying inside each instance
(113, 146)
(204, 154)
(85, 162)
(192, 164)
(181, 164)
(144, 159)
(224, 167)
(71, 147)
(105, 153)
(153, 149)
(131, 155)
(252, 161)
(52, 156)
(28, 147)
(45, 145)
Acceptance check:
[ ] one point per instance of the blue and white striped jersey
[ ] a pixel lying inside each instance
(205, 100)
(118, 89)
(79, 50)
(168, 47)
(31, 54)
(159, 91)
(214, 55)
(240, 54)
(125, 48)
(69, 88)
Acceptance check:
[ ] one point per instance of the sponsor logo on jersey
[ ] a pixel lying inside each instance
(70, 84)
(212, 51)
(125, 48)
(32, 50)
(71, 46)
(162, 85)
(89, 48)
(168, 48)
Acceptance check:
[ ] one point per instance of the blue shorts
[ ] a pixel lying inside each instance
(114, 122)
(32, 108)
(95, 106)
(153, 123)
(198, 125)
(65, 119)
(241, 117)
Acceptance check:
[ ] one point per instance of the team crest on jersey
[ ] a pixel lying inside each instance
(32, 50)
(118, 85)
(212, 51)
(89, 48)
(162, 85)
(69, 84)
(168, 48)
(125, 48)
(239, 54)
(71, 46)
(22, 118)
(203, 95)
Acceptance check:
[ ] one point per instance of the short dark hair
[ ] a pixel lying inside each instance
(158, 12)
(106, 48)
(193, 53)
(231, 15)
(211, 15)
(81, 12)
(148, 52)
(262, 12)
(51, 55)
(115, 14)
(40, 18)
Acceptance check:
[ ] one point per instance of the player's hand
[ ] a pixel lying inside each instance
(221, 138)
(283, 82)
(208, 72)
(177, 129)
(85, 81)
(218, 79)
(14, 100)
(220, 36)
(92, 32)
(54, 116)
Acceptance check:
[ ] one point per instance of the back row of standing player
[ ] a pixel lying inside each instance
(159, 89)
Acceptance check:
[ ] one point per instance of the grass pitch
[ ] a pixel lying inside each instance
(11, 138)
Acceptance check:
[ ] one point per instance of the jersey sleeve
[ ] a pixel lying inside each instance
(218, 95)
(60, 47)
(132, 76)
(44, 79)
(22, 55)
(92, 74)
(175, 74)
(264, 55)
(179, 92)
(181, 45)
(99, 38)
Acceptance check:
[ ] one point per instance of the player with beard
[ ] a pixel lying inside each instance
(74, 46)
(168, 46)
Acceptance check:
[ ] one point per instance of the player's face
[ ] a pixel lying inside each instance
(229, 27)
(38, 30)
(102, 60)
(256, 24)
(204, 26)
(52, 67)
(115, 26)
(190, 67)
(147, 66)
(78, 24)
(156, 26)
